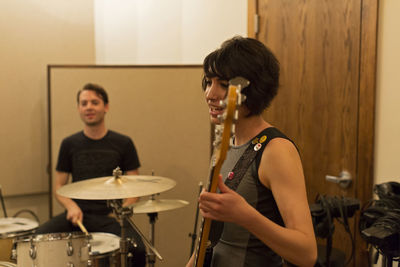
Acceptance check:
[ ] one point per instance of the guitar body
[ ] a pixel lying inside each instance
(208, 257)
(223, 133)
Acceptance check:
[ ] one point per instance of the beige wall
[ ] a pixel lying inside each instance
(34, 33)
(387, 136)
(387, 133)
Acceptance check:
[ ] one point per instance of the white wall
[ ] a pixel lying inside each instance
(164, 32)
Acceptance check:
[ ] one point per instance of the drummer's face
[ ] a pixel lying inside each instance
(91, 108)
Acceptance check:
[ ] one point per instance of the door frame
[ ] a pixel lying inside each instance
(366, 108)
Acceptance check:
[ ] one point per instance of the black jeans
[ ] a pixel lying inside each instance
(98, 223)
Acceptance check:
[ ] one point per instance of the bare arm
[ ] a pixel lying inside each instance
(129, 201)
(74, 213)
(190, 263)
(281, 171)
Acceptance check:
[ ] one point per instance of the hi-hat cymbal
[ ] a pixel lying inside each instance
(109, 187)
(151, 206)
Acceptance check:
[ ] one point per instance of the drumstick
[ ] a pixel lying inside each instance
(82, 227)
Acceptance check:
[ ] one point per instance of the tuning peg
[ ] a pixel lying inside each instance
(236, 116)
(218, 130)
(233, 128)
(223, 103)
(241, 98)
(221, 117)
(216, 143)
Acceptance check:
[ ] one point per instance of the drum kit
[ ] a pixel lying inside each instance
(19, 244)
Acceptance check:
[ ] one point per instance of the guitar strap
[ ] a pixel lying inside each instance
(253, 152)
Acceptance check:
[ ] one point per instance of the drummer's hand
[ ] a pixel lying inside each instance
(130, 201)
(74, 214)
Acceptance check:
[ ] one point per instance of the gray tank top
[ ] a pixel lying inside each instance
(237, 247)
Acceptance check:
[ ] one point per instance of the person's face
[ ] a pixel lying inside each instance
(91, 108)
(216, 90)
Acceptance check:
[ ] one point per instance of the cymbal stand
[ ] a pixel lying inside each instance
(123, 215)
(152, 219)
(196, 219)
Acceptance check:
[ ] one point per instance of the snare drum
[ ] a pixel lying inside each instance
(11, 228)
(105, 250)
(56, 249)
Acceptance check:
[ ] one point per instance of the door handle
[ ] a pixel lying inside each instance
(344, 179)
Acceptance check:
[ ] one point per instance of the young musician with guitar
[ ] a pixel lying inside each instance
(262, 203)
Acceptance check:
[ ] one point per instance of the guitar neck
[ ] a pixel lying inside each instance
(232, 100)
(206, 223)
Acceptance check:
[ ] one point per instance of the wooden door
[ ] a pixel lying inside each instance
(326, 101)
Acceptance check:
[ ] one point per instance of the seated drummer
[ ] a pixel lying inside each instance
(94, 152)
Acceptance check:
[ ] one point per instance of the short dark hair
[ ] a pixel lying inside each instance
(95, 88)
(250, 59)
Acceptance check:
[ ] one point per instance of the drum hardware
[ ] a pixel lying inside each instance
(196, 219)
(113, 189)
(123, 215)
(2, 203)
(33, 250)
(151, 208)
(11, 228)
(56, 249)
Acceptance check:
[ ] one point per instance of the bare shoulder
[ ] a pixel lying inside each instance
(280, 162)
(281, 171)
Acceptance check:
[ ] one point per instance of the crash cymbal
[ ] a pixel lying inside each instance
(110, 187)
(151, 206)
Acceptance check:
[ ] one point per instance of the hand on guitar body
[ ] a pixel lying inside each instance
(226, 206)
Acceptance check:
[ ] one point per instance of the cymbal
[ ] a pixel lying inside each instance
(109, 187)
(151, 206)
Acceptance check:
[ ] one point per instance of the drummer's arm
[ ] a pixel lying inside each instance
(74, 213)
(129, 201)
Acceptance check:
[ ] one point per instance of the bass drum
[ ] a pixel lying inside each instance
(11, 228)
(104, 250)
(56, 249)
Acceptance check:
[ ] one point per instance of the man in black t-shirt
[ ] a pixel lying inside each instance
(94, 152)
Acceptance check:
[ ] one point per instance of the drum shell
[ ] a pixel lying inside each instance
(112, 259)
(105, 250)
(52, 250)
(10, 229)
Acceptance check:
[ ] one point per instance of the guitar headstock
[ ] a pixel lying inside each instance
(226, 128)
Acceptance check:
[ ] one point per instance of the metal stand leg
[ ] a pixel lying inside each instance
(123, 244)
(152, 218)
(123, 215)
